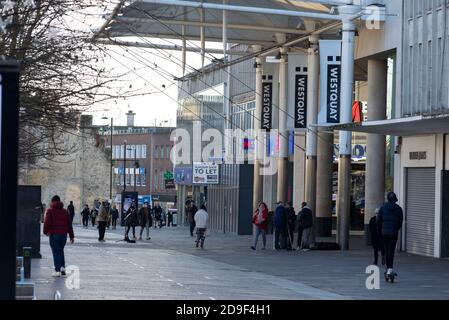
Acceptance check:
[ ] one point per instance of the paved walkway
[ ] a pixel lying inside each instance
(169, 267)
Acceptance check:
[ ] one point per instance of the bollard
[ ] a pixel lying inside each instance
(26, 252)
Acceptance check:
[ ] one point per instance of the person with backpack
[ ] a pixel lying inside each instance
(389, 222)
(260, 222)
(57, 224)
(305, 223)
(102, 220)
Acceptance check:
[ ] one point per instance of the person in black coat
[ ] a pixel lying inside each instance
(291, 223)
(85, 215)
(131, 220)
(376, 239)
(305, 223)
(389, 222)
(71, 210)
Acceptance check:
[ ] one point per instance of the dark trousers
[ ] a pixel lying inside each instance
(114, 223)
(280, 239)
(93, 222)
(101, 229)
(299, 241)
(57, 244)
(389, 242)
(290, 237)
(377, 246)
(170, 222)
(85, 221)
(192, 227)
(127, 231)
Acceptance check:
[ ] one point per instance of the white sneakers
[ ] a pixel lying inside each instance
(56, 274)
(389, 271)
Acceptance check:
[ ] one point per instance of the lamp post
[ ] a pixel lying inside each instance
(111, 128)
(124, 167)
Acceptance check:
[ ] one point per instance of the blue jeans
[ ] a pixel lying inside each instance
(258, 232)
(57, 243)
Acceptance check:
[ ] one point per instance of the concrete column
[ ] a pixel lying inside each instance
(312, 115)
(259, 143)
(323, 220)
(299, 170)
(283, 133)
(375, 144)
(344, 161)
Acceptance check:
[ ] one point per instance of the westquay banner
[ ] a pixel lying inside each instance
(330, 81)
(297, 97)
(267, 102)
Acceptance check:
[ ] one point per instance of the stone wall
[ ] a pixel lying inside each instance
(81, 177)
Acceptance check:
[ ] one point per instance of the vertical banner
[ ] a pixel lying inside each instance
(297, 99)
(267, 102)
(330, 81)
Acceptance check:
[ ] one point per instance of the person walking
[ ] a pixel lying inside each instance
(169, 218)
(131, 221)
(376, 239)
(291, 223)
(145, 221)
(93, 215)
(114, 216)
(85, 216)
(280, 227)
(201, 219)
(260, 221)
(389, 222)
(158, 215)
(57, 224)
(102, 220)
(191, 211)
(305, 223)
(71, 210)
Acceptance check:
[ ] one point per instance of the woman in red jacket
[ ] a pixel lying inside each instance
(57, 225)
(260, 221)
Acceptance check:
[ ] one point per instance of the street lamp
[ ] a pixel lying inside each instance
(124, 166)
(110, 169)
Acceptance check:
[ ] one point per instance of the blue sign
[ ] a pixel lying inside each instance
(147, 199)
(183, 175)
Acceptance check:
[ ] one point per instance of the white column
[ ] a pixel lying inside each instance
(259, 143)
(283, 133)
(312, 117)
(344, 161)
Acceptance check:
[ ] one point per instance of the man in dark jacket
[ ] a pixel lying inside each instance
(389, 222)
(71, 210)
(57, 225)
(85, 215)
(291, 222)
(280, 227)
(305, 223)
(376, 239)
(131, 221)
(191, 210)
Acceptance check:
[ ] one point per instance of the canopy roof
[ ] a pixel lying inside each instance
(149, 19)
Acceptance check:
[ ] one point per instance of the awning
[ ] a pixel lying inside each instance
(148, 19)
(417, 125)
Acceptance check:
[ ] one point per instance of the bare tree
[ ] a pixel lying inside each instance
(62, 71)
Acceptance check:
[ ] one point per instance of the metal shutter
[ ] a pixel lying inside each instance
(420, 211)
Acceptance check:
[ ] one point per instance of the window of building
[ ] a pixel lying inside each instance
(143, 180)
(156, 180)
(144, 151)
(162, 180)
(139, 151)
(156, 152)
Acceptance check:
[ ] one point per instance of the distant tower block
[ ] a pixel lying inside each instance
(130, 118)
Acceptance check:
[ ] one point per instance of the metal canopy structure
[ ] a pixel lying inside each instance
(399, 127)
(158, 19)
